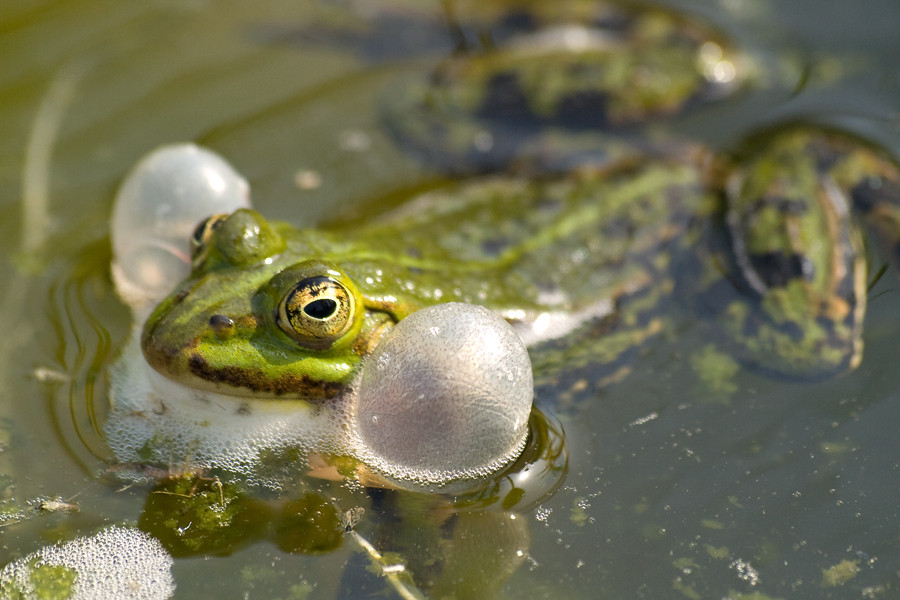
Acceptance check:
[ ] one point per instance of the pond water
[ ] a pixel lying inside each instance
(775, 490)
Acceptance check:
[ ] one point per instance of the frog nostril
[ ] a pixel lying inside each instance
(222, 326)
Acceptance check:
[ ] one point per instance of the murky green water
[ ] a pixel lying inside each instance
(669, 493)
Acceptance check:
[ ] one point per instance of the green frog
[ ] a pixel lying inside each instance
(551, 85)
(549, 255)
(285, 329)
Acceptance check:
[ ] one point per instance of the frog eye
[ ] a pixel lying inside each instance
(316, 312)
(203, 234)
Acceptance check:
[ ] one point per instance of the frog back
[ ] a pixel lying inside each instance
(563, 249)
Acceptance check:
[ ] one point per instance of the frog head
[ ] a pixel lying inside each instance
(257, 318)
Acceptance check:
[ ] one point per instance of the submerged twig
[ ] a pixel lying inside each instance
(392, 572)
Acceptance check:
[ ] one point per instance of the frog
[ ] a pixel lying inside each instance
(548, 87)
(584, 258)
(155, 416)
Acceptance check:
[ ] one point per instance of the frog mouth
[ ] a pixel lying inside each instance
(188, 366)
(258, 382)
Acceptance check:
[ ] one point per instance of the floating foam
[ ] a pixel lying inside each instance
(158, 421)
(116, 563)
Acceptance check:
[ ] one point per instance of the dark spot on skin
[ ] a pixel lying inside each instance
(614, 21)
(715, 299)
(826, 155)
(784, 205)
(618, 228)
(874, 191)
(586, 108)
(777, 269)
(547, 287)
(548, 204)
(864, 200)
(757, 320)
(413, 252)
(519, 21)
(494, 247)
(846, 287)
(827, 325)
(506, 102)
(794, 207)
(792, 330)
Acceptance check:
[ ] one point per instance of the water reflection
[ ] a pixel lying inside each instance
(532, 478)
(423, 543)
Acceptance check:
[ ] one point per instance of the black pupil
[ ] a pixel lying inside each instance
(320, 309)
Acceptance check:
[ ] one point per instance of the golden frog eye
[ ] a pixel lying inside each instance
(316, 312)
(203, 234)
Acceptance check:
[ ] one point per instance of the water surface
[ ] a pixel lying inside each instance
(782, 489)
